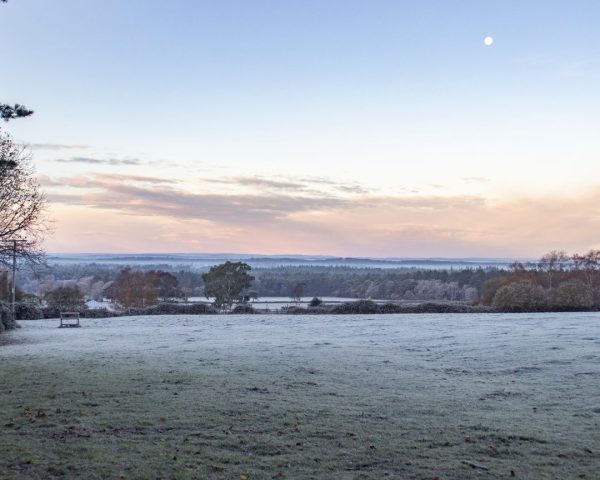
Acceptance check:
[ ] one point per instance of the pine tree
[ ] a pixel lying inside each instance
(8, 112)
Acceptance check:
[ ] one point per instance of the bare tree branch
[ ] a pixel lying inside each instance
(23, 205)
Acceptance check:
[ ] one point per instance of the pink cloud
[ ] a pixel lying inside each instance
(123, 213)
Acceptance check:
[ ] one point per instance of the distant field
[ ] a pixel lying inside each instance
(341, 397)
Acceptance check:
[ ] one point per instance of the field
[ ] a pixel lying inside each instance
(261, 397)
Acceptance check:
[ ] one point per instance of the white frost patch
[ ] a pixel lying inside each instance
(469, 341)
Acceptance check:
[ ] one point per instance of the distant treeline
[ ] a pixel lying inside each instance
(385, 284)
(378, 283)
(556, 282)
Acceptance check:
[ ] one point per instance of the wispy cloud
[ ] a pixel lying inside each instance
(355, 189)
(144, 195)
(101, 180)
(100, 161)
(73, 181)
(150, 196)
(475, 179)
(307, 185)
(259, 182)
(56, 146)
(337, 185)
(300, 221)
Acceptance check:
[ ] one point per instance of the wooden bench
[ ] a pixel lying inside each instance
(69, 319)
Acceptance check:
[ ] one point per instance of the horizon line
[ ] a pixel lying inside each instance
(279, 255)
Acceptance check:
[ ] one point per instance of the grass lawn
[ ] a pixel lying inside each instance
(261, 397)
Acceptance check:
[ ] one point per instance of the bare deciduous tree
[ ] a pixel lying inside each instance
(297, 292)
(22, 203)
(552, 262)
(589, 264)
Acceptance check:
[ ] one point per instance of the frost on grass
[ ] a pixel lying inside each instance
(410, 396)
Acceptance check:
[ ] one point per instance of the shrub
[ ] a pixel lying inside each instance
(98, 313)
(243, 309)
(429, 307)
(3, 314)
(160, 309)
(50, 312)
(66, 299)
(521, 296)
(573, 295)
(294, 310)
(315, 302)
(358, 307)
(28, 311)
(7, 321)
(489, 289)
(445, 308)
(173, 309)
(391, 308)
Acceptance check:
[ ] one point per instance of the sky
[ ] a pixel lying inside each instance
(338, 127)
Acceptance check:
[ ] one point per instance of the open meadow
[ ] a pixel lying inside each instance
(260, 397)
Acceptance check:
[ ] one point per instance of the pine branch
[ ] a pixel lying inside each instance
(8, 112)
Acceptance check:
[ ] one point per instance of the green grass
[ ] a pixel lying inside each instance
(82, 420)
(288, 412)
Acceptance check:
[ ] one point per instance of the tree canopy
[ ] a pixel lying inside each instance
(135, 289)
(8, 112)
(227, 283)
(66, 299)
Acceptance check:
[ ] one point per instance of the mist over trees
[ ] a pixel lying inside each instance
(287, 282)
(556, 282)
(384, 284)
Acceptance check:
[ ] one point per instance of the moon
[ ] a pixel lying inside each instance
(488, 41)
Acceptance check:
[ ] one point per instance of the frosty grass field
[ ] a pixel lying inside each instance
(261, 397)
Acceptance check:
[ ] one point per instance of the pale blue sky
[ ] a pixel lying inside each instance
(394, 97)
